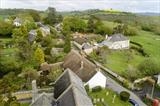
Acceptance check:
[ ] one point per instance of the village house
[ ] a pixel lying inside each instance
(87, 48)
(32, 35)
(86, 70)
(17, 22)
(45, 30)
(116, 41)
(39, 24)
(58, 27)
(68, 91)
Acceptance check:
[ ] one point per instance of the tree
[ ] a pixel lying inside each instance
(130, 31)
(35, 15)
(149, 67)
(51, 16)
(39, 55)
(90, 24)
(67, 46)
(19, 34)
(5, 28)
(54, 73)
(74, 24)
(120, 28)
(59, 18)
(29, 74)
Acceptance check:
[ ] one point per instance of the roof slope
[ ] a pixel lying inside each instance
(79, 65)
(117, 37)
(44, 100)
(65, 80)
(74, 94)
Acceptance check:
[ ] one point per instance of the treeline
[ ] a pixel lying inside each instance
(14, 11)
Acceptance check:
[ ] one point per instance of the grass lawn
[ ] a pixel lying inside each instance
(108, 98)
(150, 43)
(8, 53)
(24, 104)
(119, 60)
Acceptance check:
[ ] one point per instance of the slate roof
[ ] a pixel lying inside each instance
(32, 35)
(44, 100)
(65, 80)
(117, 37)
(17, 20)
(74, 61)
(69, 90)
(86, 46)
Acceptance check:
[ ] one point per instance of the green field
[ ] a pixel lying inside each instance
(108, 99)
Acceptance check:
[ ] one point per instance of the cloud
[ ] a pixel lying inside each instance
(68, 5)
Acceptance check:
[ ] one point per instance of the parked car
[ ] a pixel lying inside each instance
(133, 102)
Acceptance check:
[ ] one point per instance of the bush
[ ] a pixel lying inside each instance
(124, 96)
(131, 31)
(149, 67)
(97, 89)
(87, 88)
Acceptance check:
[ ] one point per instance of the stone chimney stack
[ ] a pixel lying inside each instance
(34, 90)
(82, 65)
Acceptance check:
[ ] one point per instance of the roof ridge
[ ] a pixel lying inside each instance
(39, 97)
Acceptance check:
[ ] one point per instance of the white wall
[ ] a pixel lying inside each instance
(97, 80)
(17, 24)
(120, 45)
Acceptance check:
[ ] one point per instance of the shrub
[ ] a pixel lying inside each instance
(149, 67)
(87, 88)
(97, 89)
(124, 96)
(131, 31)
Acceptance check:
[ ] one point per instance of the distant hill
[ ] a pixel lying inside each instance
(149, 14)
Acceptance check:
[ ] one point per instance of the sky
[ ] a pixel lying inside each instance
(70, 5)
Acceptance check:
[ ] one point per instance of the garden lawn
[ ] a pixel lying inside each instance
(108, 98)
(150, 43)
(24, 104)
(118, 61)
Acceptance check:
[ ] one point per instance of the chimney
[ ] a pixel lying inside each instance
(82, 65)
(34, 91)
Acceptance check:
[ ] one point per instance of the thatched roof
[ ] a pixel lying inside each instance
(79, 65)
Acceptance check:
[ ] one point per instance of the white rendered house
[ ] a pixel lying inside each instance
(116, 41)
(99, 79)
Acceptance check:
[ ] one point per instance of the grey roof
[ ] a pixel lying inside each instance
(46, 27)
(65, 80)
(44, 100)
(68, 91)
(117, 37)
(74, 94)
(17, 20)
(86, 46)
(74, 97)
(32, 35)
(39, 24)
